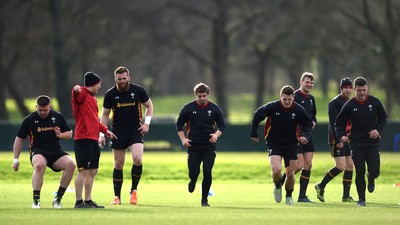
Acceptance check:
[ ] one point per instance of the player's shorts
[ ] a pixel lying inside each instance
(345, 151)
(51, 157)
(287, 153)
(309, 147)
(87, 154)
(126, 139)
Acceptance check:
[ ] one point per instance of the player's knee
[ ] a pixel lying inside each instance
(40, 167)
(118, 165)
(71, 166)
(137, 161)
(341, 167)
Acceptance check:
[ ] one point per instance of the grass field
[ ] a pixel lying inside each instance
(242, 186)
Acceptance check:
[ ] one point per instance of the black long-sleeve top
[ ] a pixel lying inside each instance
(334, 107)
(308, 103)
(281, 125)
(364, 117)
(201, 121)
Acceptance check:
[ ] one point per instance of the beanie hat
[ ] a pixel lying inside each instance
(345, 82)
(91, 79)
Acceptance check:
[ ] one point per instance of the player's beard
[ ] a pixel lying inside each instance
(123, 87)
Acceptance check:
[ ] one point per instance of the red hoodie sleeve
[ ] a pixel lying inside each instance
(103, 129)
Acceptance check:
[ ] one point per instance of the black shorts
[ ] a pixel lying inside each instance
(126, 139)
(345, 151)
(87, 154)
(51, 157)
(288, 153)
(306, 148)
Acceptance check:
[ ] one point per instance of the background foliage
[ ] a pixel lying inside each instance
(250, 47)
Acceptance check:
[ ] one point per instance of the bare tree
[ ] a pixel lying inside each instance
(12, 51)
(384, 25)
(218, 19)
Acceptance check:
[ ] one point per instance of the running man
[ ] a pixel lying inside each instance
(368, 118)
(340, 151)
(283, 117)
(204, 125)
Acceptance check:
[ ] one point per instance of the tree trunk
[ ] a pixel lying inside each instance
(61, 67)
(260, 86)
(220, 55)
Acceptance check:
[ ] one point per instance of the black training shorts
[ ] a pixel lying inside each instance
(345, 151)
(87, 154)
(50, 156)
(126, 139)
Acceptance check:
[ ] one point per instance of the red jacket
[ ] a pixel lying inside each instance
(86, 114)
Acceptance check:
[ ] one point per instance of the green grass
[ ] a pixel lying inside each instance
(242, 184)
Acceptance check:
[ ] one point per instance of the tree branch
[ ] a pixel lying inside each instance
(190, 51)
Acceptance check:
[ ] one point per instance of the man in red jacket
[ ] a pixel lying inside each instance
(87, 128)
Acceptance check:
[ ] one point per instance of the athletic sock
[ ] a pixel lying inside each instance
(136, 173)
(289, 192)
(283, 179)
(60, 192)
(332, 173)
(347, 179)
(277, 184)
(36, 195)
(117, 181)
(304, 179)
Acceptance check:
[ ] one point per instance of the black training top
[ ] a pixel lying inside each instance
(126, 107)
(41, 131)
(281, 125)
(364, 117)
(201, 121)
(308, 103)
(334, 107)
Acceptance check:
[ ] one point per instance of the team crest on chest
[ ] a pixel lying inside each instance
(209, 112)
(53, 119)
(370, 107)
(293, 115)
(133, 95)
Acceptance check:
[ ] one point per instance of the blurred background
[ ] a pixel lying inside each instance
(238, 47)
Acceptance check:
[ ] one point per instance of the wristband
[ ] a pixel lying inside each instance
(101, 134)
(147, 120)
(16, 161)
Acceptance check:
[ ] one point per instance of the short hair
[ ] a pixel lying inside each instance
(287, 89)
(360, 81)
(307, 74)
(201, 88)
(43, 100)
(121, 70)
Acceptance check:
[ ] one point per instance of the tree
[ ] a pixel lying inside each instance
(217, 18)
(383, 24)
(12, 51)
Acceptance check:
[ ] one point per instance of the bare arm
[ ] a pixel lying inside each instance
(63, 135)
(18, 143)
(144, 128)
